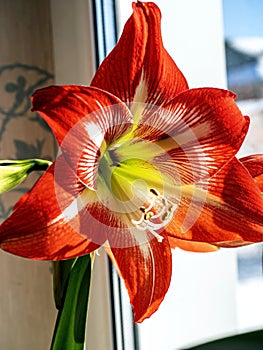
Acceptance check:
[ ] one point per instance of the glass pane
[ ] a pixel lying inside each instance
(244, 57)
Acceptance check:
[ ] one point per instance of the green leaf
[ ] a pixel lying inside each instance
(250, 340)
(13, 172)
(70, 329)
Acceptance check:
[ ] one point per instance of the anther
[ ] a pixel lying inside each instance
(165, 216)
(155, 192)
(142, 209)
(148, 216)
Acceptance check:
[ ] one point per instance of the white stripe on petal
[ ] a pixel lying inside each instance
(95, 133)
(138, 104)
(73, 209)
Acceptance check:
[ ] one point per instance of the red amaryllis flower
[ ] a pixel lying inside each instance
(146, 164)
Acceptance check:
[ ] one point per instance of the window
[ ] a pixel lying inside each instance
(207, 295)
(244, 58)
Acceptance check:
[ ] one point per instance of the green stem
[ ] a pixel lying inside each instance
(70, 329)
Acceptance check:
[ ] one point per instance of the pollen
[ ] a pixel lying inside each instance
(156, 214)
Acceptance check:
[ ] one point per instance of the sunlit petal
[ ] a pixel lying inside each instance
(139, 69)
(199, 131)
(146, 270)
(85, 121)
(226, 210)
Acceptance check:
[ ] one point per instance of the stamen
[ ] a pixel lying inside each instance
(160, 213)
(152, 202)
(157, 215)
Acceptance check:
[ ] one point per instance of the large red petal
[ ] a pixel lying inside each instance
(84, 120)
(254, 164)
(227, 210)
(139, 69)
(38, 229)
(146, 270)
(64, 107)
(197, 133)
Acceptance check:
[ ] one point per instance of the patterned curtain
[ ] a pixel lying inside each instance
(26, 316)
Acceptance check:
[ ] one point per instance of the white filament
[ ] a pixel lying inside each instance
(146, 220)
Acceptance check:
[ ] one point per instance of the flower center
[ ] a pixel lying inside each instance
(135, 191)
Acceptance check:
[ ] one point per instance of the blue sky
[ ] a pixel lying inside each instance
(243, 18)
